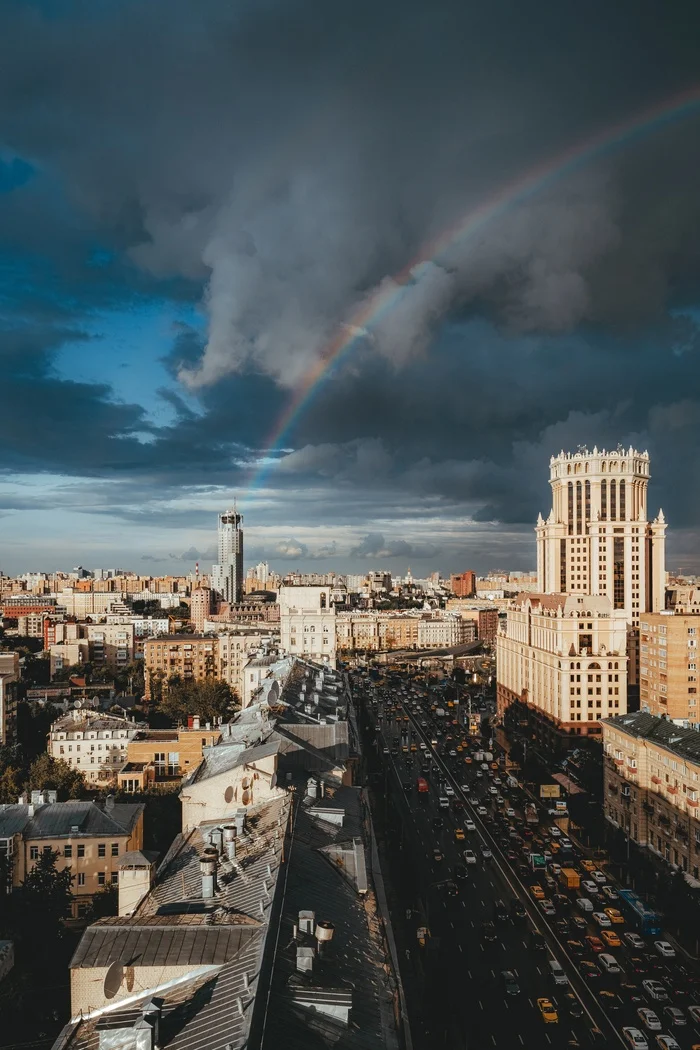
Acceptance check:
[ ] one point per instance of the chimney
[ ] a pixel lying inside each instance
(196, 722)
(305, 960)
(322, 786)
(307, 921)
(324, 934)
(312, 787)
(109, 803)
(216, 837)
(207, 866)
(152, 1012)
(230, 835)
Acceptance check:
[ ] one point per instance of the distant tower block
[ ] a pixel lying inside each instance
(227, 575)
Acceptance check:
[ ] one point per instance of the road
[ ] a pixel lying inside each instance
(456, 989)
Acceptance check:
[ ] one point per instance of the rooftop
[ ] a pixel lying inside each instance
(682, 742)
(55, 820)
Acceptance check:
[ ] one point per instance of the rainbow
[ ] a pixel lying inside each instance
(609, 140)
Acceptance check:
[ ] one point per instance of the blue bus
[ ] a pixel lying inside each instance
(646, 920)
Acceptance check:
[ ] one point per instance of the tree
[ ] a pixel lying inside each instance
(105, 902)
(45, 900)
(210, 699)
(54, 773)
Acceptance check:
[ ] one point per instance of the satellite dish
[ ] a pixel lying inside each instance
(78, 704)
(113, 980)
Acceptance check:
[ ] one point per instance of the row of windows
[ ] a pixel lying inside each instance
(80, 850)
(113, 747)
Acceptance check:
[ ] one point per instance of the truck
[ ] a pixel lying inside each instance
(531, 813)
(569, 878)
(422, 786)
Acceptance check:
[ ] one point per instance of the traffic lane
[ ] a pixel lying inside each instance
(596, 1014)
(468, 962)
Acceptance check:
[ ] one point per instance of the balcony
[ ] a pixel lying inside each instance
(618, 761)
(656, 780)
(692, 802)
(632, 769)
(672, 789)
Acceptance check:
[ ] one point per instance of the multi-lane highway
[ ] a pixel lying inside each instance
(459, 994)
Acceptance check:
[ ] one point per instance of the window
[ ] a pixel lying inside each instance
(115, 849)
(613, 500)
(114, 878)
(33, 852)
(100, 878)
(101, 850)
(81, 878)
(81, 849)
(68, 851)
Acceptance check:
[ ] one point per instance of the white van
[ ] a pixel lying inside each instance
(609, 962)
(557, 972)
(584, 904)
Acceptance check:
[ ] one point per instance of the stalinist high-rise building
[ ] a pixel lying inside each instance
(597, 538)
(568, 653)
(227, 575)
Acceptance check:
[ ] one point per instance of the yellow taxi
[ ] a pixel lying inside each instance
(460, 748)
(459, 834)
(611, 939)
(537, 891)
(614, 915)
(589, 865)
(548, 1011)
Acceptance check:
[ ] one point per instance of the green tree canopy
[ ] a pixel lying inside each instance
(48, 772)
(210, 699)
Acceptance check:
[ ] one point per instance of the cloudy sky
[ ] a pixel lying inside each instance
(198, 198)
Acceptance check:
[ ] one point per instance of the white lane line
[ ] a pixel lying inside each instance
(521, 1039)
(460, 947)
(481, 1005)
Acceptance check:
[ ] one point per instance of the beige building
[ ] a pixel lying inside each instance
(111, 644)
(93, 743)
(187, 656)
(162, 756)
(89, 837)
(652, 786)
(562, 659)
(68, 654)
(668, 666)
(235, 648)
(231, 775)
(200, 607)
(307, 622)
(598, 539)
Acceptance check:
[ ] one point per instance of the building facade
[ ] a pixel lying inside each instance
(562, 664)
(234, 650)
(463, 584)
(597, 538)
(307, 622)
(190, 657)
(95, 744)
(9, 681)
(89, 837)
(668, 666)
(162, 756)
(200, 607)
(227, 574)
(652, 786)
(111, 644)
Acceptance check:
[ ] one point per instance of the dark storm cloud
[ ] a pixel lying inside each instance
(375, 545)
(294, 156)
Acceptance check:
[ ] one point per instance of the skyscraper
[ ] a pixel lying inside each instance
(227, 575)
(597, 539)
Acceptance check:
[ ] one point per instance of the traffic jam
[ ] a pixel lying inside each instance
(609, 975)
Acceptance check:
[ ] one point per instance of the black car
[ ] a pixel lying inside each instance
(510, 984)
(572, 1004)
(588, 970)
(488, 930)
(517, 910)
(437, 823)
(576, 947)
(537, 942)
(460, 872)
(500, 911)
(560, 901)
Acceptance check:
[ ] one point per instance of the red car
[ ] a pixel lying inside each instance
(595, 944)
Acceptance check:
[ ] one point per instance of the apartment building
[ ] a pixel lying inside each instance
(562, 660)
(187, 656)
(444, 632)
(9, 680)
(652, 785)
(93, 743)
(110, 643)
(668, 666)
(160, 756)
(235, 648)
(89, 837)
(463, 584)
(307, 622)
(200, 607)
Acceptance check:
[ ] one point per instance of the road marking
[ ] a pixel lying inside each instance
(481, 1005)
(521, 1039)
(471, 923)
(460, 947)
(493, 1040)
(464, 904)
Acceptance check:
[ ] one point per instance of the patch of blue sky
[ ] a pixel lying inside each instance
(125, 349)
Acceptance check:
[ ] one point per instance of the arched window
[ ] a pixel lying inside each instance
(603, 500)
(622, 500)
(613, 500)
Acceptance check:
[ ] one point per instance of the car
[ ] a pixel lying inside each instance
(486, 853)
(537, 891)
(595, 943)
(482, 811)
(493, 790)
(649, 1019)
(566, 844)
(510, 812)
(460, 872)
(469, 825)
(602, 919)
(438, 855)
(469, 856)
(510, 983)
(575, 946)
(386, 751)
(537, 942)
(634, 941)
(547, 907)
(547, 1011)
(638, 964)
(500, 800)
(588, 865)
(572, 1004)
(694, 1012)
(610, 963)
(449, 790)
(674, 1015)
(611, 939)
(667, 1042)
(465, 788)
(517, 910)
(614, 915)
(555, 869)
(588, 970)
(555, 832)
(665, 950)
(610, 893)
(609, 1000)
(497, 780)
(488, 930)
(561, 901)
(590, 887)
(655, 990)
(598, 876)
(459, 835)
(635, 1038)
(579, 922)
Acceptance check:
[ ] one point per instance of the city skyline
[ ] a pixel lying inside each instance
(371, 320)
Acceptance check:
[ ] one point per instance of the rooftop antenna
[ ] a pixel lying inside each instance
(196, 573)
